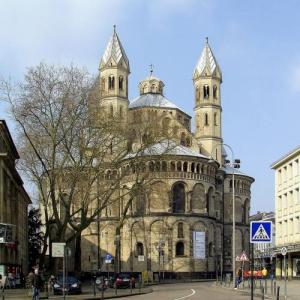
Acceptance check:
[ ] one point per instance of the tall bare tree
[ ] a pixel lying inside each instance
(73, 157)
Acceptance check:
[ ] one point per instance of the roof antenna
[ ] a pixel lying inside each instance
(206, 40)
(151, 69)
(114, 28)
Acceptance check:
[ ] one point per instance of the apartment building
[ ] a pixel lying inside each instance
(287, 209)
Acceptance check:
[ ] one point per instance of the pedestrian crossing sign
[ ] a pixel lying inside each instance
(261, 232)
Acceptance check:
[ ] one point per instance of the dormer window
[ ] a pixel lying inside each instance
(206, 91)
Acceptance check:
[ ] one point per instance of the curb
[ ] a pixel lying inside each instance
(255, 294)
(117, 296)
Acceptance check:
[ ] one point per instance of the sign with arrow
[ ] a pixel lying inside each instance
(261, 232)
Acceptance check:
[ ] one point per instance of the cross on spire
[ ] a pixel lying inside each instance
(151, 69)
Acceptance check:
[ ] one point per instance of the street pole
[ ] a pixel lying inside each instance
(284, 266)
(252, 269)
(64, 273)
(233, 219)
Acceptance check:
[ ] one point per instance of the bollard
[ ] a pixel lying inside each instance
(266, 286)
(130, 285)
(272, 286)
(116, 290)
(140, 282)
(278, 291)
(102, 288)
(275, 288)
(94, 286)
(262, 293)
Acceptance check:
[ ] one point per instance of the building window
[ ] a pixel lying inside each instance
(139, 248)
(206, 119)
(180, 230)
(111, 111)
(206, 91)
(121, 83)
(215, 119)
(179, 249)
(121, 112)
(178, 195)
(296, 167)
(211, 249)
(215, 89)
(111, 82)
(279, 177)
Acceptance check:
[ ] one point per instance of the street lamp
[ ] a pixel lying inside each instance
(234, 163)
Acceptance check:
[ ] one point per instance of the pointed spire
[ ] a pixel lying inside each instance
(114, 50)
(207, 63)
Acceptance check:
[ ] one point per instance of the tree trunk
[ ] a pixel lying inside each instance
(77, 254)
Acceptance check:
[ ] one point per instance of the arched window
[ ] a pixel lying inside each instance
(151, 166)
(139, 248)
(178, 195)
(121, 83)
(164, 166)
(179, 166)
(111, 111)
(111, 82)
(185, 166)
(215, 90)
(173, 166)
(179, 249)
(206, 91)
(180, 230)
(193, 167)
(209, 201)
(182, 139)
(210, 249)
(215, 119)
(206, 119)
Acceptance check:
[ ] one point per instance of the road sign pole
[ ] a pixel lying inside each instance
(64, 274)
(284, 265)
(252, 269)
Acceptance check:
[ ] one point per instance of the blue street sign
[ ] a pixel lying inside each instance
(261, 232)
(108, 257)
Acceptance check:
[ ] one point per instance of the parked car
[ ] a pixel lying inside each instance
(256, 274)
(72, 286)
(124, 280)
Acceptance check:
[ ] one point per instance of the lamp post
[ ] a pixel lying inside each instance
(233, 164)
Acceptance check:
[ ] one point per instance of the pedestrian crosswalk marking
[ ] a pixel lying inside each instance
(261, 234)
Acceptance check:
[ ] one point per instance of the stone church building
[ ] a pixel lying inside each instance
(184, 222)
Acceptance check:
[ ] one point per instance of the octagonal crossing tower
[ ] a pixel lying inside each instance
(207, 80)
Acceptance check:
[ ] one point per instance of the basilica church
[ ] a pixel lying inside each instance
(187, 219)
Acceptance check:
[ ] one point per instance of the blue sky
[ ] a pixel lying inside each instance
(257, 45)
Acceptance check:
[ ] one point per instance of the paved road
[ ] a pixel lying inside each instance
(191, 291)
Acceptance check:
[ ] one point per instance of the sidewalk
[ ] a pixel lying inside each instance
(22, 294)
(293, 288)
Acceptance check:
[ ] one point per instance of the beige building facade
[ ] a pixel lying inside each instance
(287, 208)
(14, 203)
(183, 223)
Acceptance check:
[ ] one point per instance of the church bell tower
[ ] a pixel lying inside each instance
(114, 71)
(207, 80)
